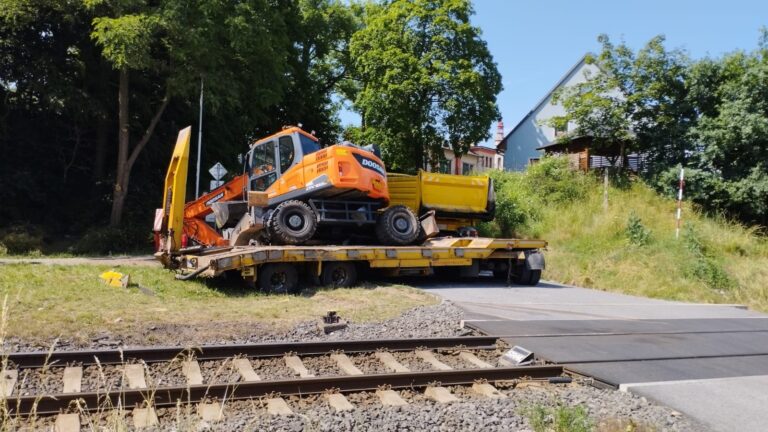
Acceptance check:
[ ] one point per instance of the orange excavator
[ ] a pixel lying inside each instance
(292, 192)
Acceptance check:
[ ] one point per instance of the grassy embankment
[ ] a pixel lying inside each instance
(72, 302)
(631, 246)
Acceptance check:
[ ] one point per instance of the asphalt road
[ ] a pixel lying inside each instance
(709, 362)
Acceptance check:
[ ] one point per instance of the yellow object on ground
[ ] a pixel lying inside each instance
(115, 279)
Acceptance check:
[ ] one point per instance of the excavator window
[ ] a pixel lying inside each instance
(263, 166)
(286, 153)
(308, 145)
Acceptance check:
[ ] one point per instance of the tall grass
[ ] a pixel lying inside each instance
(631, 246)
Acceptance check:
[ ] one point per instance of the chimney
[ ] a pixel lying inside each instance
(499, 132)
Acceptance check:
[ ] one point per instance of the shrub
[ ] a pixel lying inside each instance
(521, 197)
(22, 239)
(554, 182)
(636, 232)
(112, 240)
(705, 267)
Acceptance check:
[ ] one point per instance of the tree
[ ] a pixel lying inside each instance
(174, 44)
(426, 79)
(731, 135)
(638, 101)
(318, 62)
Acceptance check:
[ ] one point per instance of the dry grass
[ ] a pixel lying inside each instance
(590, 247)
(71, 302)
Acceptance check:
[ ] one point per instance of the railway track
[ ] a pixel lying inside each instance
(281, 369)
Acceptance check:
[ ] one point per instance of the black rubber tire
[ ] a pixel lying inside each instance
(397, 226)
(338, 274)
(279, 278)
(292, 223)
(528, 277)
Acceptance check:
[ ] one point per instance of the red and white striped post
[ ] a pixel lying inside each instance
(680, 203)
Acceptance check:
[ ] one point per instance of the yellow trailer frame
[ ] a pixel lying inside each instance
(460, 252)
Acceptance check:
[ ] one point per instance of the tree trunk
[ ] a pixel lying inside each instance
(123, 140)
(124, 160)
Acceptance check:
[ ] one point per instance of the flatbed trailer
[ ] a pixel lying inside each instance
(279, 268)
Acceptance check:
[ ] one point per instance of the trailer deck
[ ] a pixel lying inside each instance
(469, 254)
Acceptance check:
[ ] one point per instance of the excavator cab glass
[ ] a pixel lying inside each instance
(263, 167)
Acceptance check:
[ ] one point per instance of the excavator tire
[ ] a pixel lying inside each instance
(292, 223)
(397, 226)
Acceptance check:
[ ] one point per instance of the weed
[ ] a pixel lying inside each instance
(705, 266)
(559, 418)
(636, 232)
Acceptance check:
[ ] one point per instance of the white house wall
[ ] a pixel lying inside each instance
(532, 132)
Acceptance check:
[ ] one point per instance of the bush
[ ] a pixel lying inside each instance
(554, 182)
(113, 240)
(22, 239)
(520, 197)
(705, 267)
(636, 232)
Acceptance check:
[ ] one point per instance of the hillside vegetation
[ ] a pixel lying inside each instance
(631, 246)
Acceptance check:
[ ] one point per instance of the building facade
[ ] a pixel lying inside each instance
(522, 145)
(479, 159)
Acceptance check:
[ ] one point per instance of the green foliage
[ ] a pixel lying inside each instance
(559, 418)
(636, 232)
(126, 40)
(426, 79)
(113, 240)
(705, 266)
(21, 239)
(520, 197)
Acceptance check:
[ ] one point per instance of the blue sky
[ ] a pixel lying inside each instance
(535, 42)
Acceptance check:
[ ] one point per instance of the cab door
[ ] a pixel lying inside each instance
(263, 166)
(290, 166)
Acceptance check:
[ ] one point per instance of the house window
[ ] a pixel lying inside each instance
(466, 168)
(445, 166)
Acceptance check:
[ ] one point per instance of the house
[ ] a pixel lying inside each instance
(523, 144)
(479, 158)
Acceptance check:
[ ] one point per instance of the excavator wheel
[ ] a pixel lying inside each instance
(397, 226)
(292, 223)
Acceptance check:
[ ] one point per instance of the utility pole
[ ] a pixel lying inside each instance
(199, 141)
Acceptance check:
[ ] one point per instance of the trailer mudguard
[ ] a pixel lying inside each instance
(534, 260)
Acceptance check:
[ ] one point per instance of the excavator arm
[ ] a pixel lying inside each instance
(179, 218)
(195, 211)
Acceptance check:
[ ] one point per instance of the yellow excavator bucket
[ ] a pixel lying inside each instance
(175, 192)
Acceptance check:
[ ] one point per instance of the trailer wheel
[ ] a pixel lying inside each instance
(293, 222)
(339, 274)
(528, 277)
(397, 226)
(279, 278)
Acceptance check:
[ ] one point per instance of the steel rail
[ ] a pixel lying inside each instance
(170, 396)
(218, 352)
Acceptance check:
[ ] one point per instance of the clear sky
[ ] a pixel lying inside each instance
(535, 42)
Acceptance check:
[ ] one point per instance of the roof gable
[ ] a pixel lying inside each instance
(568, 75)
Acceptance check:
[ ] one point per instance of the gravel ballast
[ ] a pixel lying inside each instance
(471, 413)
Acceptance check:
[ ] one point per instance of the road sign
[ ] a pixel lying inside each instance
(218, 171)
(216, 183)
